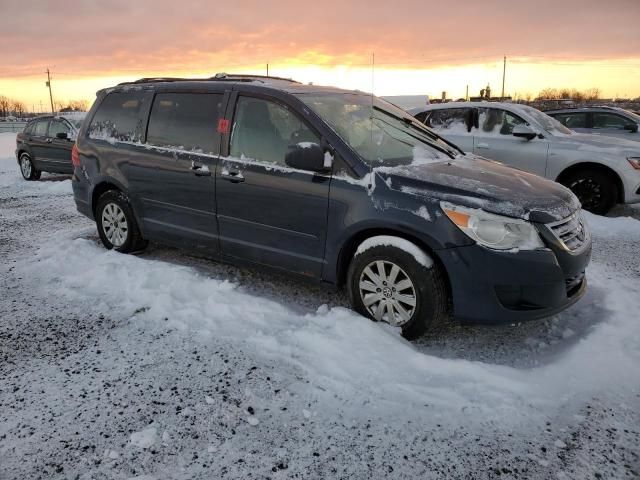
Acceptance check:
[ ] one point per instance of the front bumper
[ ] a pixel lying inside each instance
(501, 287)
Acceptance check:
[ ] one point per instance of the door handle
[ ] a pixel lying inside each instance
(483, 145)
(200, 169)
(233, 176)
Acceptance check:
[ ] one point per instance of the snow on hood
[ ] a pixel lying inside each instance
(478, 183)
(601, 144)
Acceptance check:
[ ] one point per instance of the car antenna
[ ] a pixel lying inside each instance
(373, 65)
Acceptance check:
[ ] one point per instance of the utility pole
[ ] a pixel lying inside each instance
(50, 94)
(267, 69)
(466, 96)
(504, 71)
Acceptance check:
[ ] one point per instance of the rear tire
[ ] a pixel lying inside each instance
(117, 224)
(27, 169)
(426, 285)
(596, 190)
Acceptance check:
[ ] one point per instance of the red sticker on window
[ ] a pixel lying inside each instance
(223, 126)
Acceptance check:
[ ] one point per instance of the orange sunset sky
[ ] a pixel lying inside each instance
(420, 47)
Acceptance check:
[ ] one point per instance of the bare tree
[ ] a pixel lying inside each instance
(79, 105)
(5, 104)
(18, 108)
(592, 93)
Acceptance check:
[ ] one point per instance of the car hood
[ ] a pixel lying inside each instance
(600, 143)
(475, 182)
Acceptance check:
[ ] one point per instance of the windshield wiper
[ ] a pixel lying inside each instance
(428, 141)
(452, 150)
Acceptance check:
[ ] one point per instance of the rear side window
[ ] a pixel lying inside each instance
(186, 121)
(29, 128)
(119, 118)
(572, 120)
(40, 128)
(452, 120)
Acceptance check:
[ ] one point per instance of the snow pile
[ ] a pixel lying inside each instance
(346, 354)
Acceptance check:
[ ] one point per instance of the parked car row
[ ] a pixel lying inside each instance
(600, 170)
(401, 210)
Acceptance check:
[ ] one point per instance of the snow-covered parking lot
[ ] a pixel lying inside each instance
(167, 366)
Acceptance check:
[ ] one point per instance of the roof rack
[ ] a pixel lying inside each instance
(221, 77)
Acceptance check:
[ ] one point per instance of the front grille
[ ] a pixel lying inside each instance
(572, 232)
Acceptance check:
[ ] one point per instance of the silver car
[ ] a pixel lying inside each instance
(601, 171)
(608, 121)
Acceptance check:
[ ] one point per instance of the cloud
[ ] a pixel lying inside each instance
(117, 36)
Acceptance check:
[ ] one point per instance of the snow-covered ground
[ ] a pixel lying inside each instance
(166, 366)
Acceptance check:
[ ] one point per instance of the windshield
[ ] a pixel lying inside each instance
(633, 116)
(380, 133)
(550, 124)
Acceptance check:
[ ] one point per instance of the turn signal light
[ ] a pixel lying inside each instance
(75, 156)
(459, 218)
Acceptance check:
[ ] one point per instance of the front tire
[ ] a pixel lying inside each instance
(386, 283)
(28, 170)
(117, 224)
(596, 190)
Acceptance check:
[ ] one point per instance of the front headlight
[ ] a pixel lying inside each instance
(493, 231)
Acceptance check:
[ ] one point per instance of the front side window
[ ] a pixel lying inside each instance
(495, 121)
(119, 118)
(380, 133)
(186, 121)
(40, 129)
(57, 126)
(572, 120)
(264, 130)
(609, 120)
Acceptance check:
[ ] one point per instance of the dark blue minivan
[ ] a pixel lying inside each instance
(334, 185)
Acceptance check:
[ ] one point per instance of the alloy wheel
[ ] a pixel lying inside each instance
(588, 191)
(25, 166)
(114, 224)
(387, 292)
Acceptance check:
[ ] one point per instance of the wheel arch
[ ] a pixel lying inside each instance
(102, 187)
(350, 246)
(576, 167)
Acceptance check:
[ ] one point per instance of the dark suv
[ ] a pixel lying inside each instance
(45, 145)
(335, 185)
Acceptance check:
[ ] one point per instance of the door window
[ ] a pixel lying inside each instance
(451, 120)
(40, 130)
(186, 121)
(572, 120)
(494, 121)
(263, 131)
(609, 120)
(56, 126)
(119, 118)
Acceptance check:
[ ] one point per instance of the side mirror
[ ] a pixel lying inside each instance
(62, 135)
(524, 131)
(632, 127)
(307, 156)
